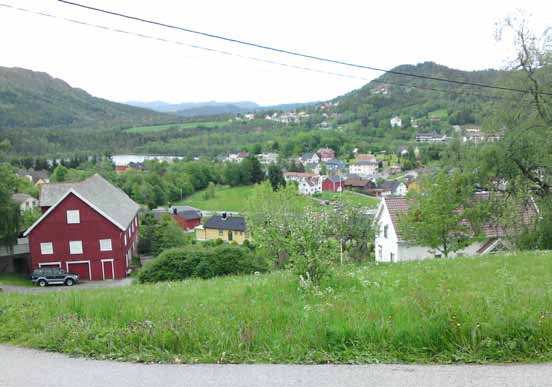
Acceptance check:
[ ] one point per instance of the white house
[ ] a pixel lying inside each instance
(393, 188)
(307, 183)
(391, 247)
(364, 168)
(310, 158)
(395, 121)
(25, 202)
(268, 158)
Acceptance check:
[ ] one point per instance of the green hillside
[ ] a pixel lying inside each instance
(393, 94)
(30, 99)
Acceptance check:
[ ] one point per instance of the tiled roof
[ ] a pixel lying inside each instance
(21, 197)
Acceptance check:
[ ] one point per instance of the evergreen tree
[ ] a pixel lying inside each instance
(276, 177)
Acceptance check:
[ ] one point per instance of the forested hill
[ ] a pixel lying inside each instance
(393, 94)
(30, 99)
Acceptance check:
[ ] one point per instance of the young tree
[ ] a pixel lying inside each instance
(276, 177)
(167, 234)
(10, 217)
(257, 173)
(443, 214)
(59, 174)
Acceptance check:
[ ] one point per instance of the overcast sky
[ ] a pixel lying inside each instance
(383, 34)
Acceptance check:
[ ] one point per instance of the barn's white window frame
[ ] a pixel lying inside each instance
(125, 239)
(106, 245)
(46, 248)
(73, 216)
(67, 263)
(75, 247)
(112, 267)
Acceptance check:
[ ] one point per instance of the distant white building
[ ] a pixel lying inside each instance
(431, 137)
(268, 158)
(396, 121)
(364, 168)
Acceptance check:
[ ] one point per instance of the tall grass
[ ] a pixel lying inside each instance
(484, 309)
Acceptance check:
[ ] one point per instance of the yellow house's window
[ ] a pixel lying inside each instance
(221, 232)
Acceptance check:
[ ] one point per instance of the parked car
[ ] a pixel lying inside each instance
(53, 276)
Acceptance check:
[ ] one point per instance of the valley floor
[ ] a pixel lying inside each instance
(480, 309)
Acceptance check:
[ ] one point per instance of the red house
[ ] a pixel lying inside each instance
(333, 184)
(187, 217)
(88, 227)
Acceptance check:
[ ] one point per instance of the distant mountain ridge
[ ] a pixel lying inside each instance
(35, 99)
(193, 109)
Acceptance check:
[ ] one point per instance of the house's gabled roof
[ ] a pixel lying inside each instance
(308, 156)
(108, 200)
(365, 162)
(21, 197)
(336, 179)
(35, 175)
(336, 162)
(234, 223)
(187, 212)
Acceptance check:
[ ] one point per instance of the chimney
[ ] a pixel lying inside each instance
(175, 211)
(224, 216)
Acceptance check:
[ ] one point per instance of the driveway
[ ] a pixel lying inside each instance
(61, 288)
(24, 367)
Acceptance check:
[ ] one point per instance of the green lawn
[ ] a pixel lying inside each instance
(357, 200)
(226, 199)
(443, 113)
(187, 125)
(482, 309)
(14, 279)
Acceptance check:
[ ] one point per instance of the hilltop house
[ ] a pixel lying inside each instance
(309, 158)
(36, 177)
(88, 227)
(395, 121)
(334, 166)
(391, 247)
(431, 137)
(268, 158)
(224, 227)
(364, 168)
(26, 202)
(187, 217)
(326, 154)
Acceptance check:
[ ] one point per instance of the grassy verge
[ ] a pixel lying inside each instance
(14, 279)
(485, 309)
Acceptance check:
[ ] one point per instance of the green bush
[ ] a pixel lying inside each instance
(201, 261)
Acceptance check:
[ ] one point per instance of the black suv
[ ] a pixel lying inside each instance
(53, 276)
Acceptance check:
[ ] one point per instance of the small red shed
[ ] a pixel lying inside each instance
(333, 184)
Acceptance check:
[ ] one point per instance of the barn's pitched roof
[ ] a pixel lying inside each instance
(104, 197)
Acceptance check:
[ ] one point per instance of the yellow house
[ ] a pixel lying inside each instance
(227, 228)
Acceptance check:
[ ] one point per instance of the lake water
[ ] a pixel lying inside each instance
(126, 159)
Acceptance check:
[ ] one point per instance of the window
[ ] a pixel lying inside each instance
(73, 216)
(385, 228)
(105, 245)
(125, 239)
(46, 248)
(221, 232)
(75, 247)
(136, 221)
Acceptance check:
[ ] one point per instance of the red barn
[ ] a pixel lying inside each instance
(88, 227)
(187, 217)
(333, 184)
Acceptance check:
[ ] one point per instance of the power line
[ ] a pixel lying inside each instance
(295, 53)
(257, 59)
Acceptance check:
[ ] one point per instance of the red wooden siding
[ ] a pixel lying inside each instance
(90, 230)
(328, 185)
(186, 224)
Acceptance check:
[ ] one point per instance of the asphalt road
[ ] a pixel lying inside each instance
(25, 367)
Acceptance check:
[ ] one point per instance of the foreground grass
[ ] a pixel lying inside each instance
(482, 309)
(14, 279)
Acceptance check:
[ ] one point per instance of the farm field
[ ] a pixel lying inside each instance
(481, 309)
(187, 125)
(357, 200)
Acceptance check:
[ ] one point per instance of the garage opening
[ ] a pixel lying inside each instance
(82, 268)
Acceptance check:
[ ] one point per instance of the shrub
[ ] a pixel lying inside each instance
(201, 261)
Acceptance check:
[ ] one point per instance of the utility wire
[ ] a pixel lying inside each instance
(295, 53)
(228, 53)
